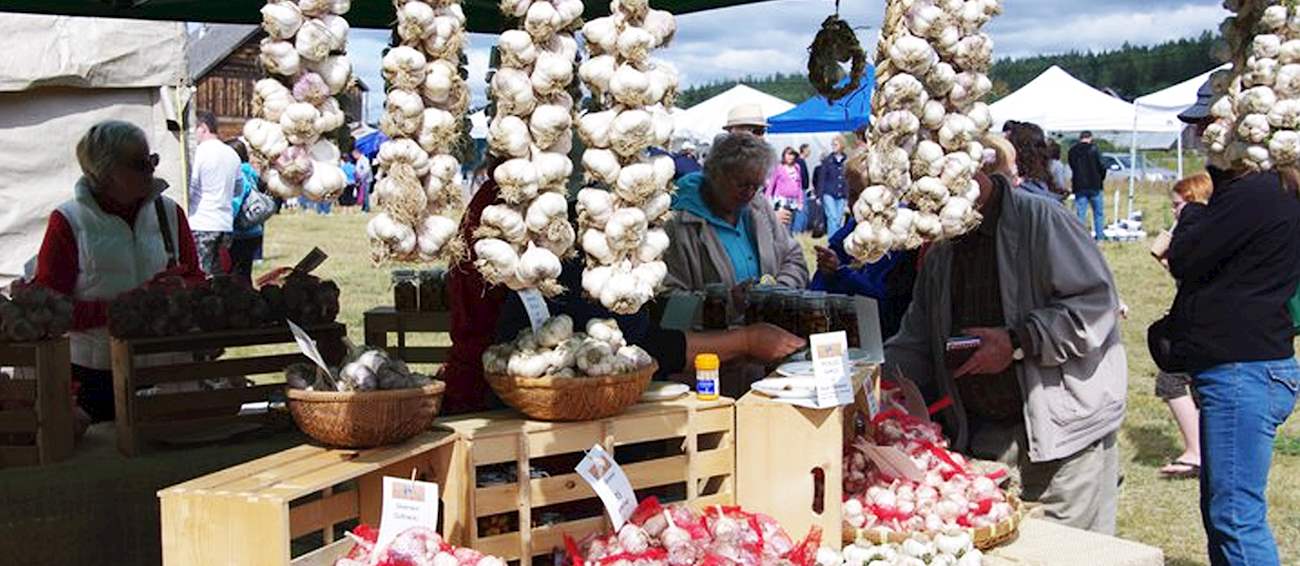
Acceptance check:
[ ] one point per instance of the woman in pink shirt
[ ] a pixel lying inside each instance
(785, 188)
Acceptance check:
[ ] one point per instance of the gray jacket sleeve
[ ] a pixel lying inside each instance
(1084, 306)
(792, 270)
(677, 259)
(909, 350)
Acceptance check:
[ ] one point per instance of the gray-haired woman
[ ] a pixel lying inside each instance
(723, 230)
(117, 233)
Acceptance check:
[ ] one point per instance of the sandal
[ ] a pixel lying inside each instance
(1190, 471)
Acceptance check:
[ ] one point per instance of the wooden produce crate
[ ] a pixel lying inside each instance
(800, 492)
(303, 499)
(677, 450)
(169, 415)
(382, 321)
(36, 414)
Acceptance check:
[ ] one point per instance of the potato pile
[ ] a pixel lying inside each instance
(34, 313)
(1257, 113)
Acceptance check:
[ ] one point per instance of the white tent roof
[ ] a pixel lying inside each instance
(478, 125)
(1165, 105)
(1059, 102)
(704, 121)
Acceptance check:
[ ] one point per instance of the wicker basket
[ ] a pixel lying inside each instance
(984, 538)
(572, 398)
(366, 419)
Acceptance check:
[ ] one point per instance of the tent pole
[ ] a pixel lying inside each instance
(1133, 161)
(1180, 153)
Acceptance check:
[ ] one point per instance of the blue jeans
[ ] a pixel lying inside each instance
(1242, 406)
(834, 207)
(1098, 203)
(799, 223)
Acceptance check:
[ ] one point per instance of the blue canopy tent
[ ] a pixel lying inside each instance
(818, 115)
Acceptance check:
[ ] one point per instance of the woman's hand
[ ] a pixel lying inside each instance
(784, 216)
(769, 343)
(827, 261)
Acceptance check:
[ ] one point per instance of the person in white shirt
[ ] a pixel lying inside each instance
(214, 178)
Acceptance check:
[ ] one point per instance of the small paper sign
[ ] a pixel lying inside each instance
(407, 503)
(872, 389)
(894, 462)
(535, 304)
(307, 345)
(679, 313)
(830, 369)
(869, 337)
(610, 483)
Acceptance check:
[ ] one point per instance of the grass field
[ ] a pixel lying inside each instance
(1153, 511)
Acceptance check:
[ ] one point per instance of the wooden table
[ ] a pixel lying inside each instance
(1044, 543)
(381, 321)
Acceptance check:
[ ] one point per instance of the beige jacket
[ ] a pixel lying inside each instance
(696, 257)
(1059, 293)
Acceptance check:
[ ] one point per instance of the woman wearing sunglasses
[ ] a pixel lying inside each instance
(117, 233)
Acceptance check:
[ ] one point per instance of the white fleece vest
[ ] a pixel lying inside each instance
(113, 258)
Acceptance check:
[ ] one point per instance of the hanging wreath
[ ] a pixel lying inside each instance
(835, 44)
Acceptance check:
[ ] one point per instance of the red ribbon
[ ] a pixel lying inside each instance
(651, 554)
(940, 405)
(943, 456)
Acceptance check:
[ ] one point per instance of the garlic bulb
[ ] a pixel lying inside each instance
(513, 92)
(497, 260)
(548, 123)
(602, 35)
(299, 123)
(404, 68)
(265, 138)
(435, 234)
(630, 87)
(517, 179)
(631, 132)
(598, 72)
(517, 49)
(548, 215)
(438, 131)
(326, 183)
(314, 40)
(595, 208)
(601, 165)
(553, 170)
(540, 268)
(552, 72)
(270, 98)
(503, 223)
(508, 136)
(280, 57)
(281, 20)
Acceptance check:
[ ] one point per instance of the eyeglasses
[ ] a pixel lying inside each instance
(145, 165)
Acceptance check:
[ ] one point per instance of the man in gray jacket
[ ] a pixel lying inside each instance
(1045, 390)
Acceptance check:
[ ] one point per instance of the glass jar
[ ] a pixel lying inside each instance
(406, 294)
(791, 304)
(757, 301)
(432, 284)
(773, 306)
(716, 303)
(846, 319)
(815, 314)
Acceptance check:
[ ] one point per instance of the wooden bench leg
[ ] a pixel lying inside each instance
(124, 397)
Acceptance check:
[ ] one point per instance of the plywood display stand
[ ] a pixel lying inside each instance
(701, 464)
(250, 514)
(381, 321)
(36, 414)
(142, 418)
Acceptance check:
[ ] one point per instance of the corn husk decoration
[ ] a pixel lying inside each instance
(424, 112)
(932, 69)
(622, 211)
(295, 107)
(1257, 107)
(523, 238)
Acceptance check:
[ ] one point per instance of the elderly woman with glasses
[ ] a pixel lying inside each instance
(723, 230)
(117, 233)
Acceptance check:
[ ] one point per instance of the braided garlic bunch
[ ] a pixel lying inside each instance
(1257, 112)
(306, 54)
(423, 115)
(932, 69)
(621, 217)
(521, 240)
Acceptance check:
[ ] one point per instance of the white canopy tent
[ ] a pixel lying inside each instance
(702, 122)
(61, 76)
(1061, 103)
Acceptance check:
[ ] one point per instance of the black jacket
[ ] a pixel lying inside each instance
(1089, 173)
(1237, 261)
(831, 179)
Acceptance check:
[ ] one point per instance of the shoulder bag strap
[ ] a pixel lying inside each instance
(165, 228)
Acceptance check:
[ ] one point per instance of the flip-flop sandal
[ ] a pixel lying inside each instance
(1192, 471)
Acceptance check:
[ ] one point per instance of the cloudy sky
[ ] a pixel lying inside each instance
(771, 37)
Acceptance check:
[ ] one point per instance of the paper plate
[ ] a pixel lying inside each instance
(664, 391)
(796, 369)
(856, 355)
(786, 388)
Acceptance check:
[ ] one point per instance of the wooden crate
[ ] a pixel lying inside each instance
(143, 418)
(699, 467)
(36, 414)
(382, 321)
(799, 492)
(252, 514)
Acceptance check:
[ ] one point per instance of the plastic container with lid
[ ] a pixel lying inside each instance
(815, 313)
(706, 376)
(432, 289)
(846, 319)
(406, 293)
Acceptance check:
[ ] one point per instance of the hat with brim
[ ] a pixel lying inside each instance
(746, 115)
(1198, 112)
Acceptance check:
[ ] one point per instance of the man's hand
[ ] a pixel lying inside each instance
(769, 343)
(784, 216)
(827, 261)
(993, 356)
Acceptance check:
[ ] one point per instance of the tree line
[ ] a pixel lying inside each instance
(1129, 71)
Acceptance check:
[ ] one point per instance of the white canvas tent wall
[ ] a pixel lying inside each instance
(704, 121)
(58, 77)
(1061, 103)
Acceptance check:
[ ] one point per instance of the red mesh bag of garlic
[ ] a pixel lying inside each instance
(417, 546)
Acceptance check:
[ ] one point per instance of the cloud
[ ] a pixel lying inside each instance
(773, 37)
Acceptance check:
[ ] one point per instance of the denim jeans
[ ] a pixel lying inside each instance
(799, 223)
(1098, 203)
(834, 207)
(1242, 406)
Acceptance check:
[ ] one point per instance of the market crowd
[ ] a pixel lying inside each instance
(1043, 389)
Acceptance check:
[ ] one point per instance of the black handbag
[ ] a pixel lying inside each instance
(1162, 337)
(816, 216)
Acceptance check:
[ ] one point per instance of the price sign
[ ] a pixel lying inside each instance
(407, 503)
(830, 369)
(610, 483)
(535, 304)
(307, 345)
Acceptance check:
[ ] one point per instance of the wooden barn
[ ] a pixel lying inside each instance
(223, 67)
